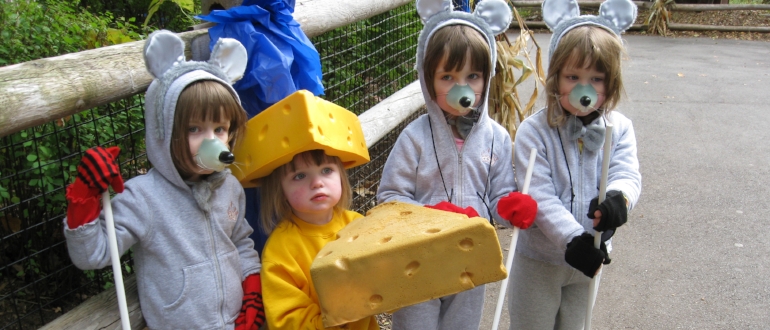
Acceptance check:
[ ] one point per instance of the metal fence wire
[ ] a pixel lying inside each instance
(363, 63)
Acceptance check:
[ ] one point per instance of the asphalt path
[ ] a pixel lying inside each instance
(695, 253)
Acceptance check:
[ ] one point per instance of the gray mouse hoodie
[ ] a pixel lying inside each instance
(190, 241)
(424, 166)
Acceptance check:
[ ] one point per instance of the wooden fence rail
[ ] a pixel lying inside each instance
(40, 91)
(648, 5)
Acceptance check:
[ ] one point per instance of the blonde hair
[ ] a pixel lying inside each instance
(454, 42)
(590, 46)
(274, 206)
(204, 100)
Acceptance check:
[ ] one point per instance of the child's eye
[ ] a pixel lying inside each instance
(220, 130)
(572, 77)
(327, 170)
(194, 129)
(446, 77)
(474, 76)
(299, 176)
(597, 79)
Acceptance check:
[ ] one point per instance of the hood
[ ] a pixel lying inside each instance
(490, 18)
(165, 60)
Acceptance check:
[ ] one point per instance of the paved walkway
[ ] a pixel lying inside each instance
(695, 253)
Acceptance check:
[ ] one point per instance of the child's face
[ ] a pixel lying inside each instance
(570, 76)
(200, 130)
(313, 190)
(443, 81)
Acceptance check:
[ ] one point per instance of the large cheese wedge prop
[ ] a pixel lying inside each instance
(300, 122)
(402, 254)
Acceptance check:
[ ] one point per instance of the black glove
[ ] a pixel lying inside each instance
(614, 211)
(583, 256)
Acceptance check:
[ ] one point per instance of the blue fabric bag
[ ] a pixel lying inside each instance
(282, 59)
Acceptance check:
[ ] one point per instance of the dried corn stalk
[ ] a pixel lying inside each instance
(660, 17)
(505, 105)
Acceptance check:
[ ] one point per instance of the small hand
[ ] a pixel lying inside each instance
(519, 209)
(447, 206)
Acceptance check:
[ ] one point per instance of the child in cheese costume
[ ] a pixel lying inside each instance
(303, 146)
(584, 84)
(456, 158)
(196, 267)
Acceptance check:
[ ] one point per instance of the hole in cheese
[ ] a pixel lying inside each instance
(375, 301)
(386, 239)
(432, 231)
(326, 254)
(320, 131)
(466, 279)
(262, 133)
(286, 109)
(352, 238)
(342, 263)
(285, 142)
(466, 244)
(411, 268)
(331, 116)
(405, 213)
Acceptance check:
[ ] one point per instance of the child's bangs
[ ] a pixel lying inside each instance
(460, 43)
(215, 103)
(313, 157)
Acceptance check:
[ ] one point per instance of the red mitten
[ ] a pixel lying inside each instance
(252, 314)
(519, 209)
(98, 169)
(447, 206)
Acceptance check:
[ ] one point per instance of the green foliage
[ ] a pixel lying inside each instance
(37, 29)
(185, 5)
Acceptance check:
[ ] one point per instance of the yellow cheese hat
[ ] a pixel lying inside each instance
(298, 123)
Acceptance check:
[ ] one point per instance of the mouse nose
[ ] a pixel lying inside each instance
(226, 157)
(585, 101)
(465, 101)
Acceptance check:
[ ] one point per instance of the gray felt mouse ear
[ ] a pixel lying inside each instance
(162, 50)
(496, 13)
(230, 56)
(622, 13)
(556, 11)
(427, 8)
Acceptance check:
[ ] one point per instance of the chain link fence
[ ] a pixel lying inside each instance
(363, 64)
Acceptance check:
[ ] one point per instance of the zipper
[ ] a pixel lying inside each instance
(217, 269)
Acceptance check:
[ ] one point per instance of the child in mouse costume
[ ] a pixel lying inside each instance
(456, 158)
(196, 266)
(584, 85)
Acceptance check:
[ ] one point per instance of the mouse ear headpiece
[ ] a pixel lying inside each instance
(165, 61)
(561, 16)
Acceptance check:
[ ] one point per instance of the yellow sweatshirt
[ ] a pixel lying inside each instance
(290, 299)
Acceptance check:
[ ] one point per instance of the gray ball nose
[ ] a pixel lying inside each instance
(465, 101)
(226, 157)
(585, 101)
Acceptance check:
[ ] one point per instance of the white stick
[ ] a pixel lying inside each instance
(115, 256)
(592, 289)
(512, 246)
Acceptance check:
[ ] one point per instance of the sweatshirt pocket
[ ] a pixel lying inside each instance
(197, 306)
(233, 284)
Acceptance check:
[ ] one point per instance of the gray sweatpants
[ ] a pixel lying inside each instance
(544, 296)
(458, 311)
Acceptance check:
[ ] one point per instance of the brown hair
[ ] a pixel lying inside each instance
(204, 100)
(454, 42)
(274, 206)
(590, 46)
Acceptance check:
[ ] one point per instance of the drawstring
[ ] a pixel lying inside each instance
(486, 182)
